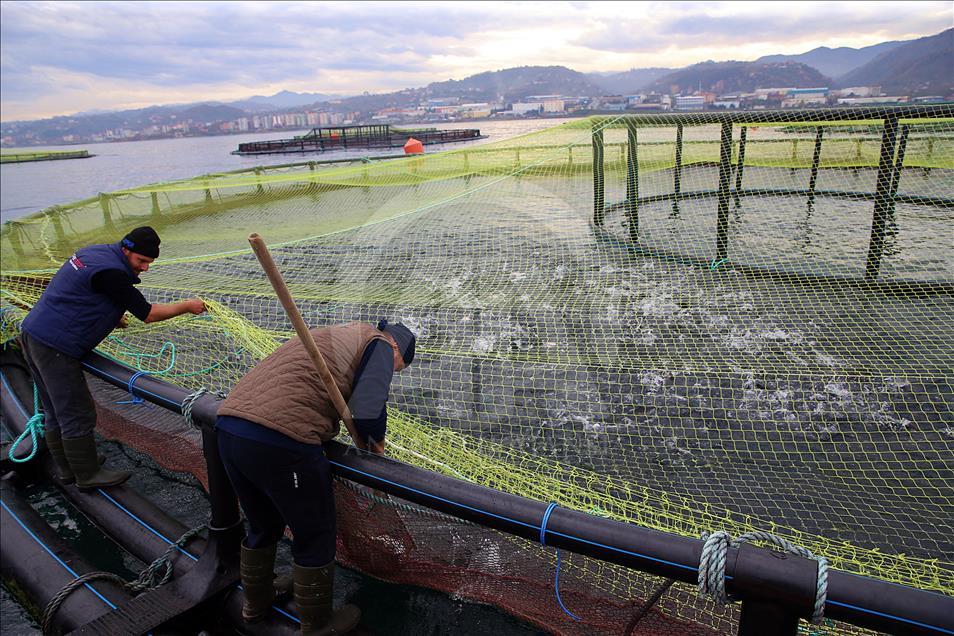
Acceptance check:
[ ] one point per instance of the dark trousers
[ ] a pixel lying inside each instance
(66, 400)
(279, 486)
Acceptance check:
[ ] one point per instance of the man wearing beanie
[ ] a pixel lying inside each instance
(271, 431)
(86, 299)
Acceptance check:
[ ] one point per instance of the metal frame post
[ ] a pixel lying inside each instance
(677, 170)
(766, 618)
(725, 172)
(598, 179)
(740, 164)
(884, 202)
(816, 158)
(899, 161)
(107, 217)
(632, 181)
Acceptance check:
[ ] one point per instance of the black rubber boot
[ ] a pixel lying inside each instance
(314, 593)
(257, 572)
(81, 455)
(54, 443)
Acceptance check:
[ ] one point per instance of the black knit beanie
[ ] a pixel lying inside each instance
(404, 338)
(142, 240)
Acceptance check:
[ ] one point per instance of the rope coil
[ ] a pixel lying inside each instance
(46, 621)
(33, 428)
(148, 579)
(712, 566)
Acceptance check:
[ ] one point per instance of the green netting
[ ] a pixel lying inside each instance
(42, 155)
(689, 323)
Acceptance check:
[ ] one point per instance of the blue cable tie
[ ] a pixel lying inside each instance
(129, 387)
(556, 578)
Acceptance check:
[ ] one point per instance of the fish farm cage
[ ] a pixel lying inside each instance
(665, 362)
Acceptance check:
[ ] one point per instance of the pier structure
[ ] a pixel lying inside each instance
(348, 137)
(43, 155)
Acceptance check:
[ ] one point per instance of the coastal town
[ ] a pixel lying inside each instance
(210, 119)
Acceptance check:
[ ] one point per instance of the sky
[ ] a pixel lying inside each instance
(59, 58)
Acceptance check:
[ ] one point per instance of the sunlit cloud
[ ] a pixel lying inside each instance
(63, 57)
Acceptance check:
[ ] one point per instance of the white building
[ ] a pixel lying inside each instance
(690, 102)
(522, 108)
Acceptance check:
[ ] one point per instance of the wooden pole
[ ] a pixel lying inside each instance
(281, 289)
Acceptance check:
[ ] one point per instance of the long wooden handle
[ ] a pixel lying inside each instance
(281, 289)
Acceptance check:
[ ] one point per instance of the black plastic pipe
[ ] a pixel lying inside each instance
(751, 573)
(34, 557)
(134, 522)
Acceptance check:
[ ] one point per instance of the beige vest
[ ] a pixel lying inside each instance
(284, 391)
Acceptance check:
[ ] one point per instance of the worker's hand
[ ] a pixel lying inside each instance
(123, 322)
(195, 305)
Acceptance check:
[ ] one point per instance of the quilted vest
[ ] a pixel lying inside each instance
(285, 393)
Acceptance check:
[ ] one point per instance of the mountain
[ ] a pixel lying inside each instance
(514, 84)
(211, 113)
(280, 100)
(508, 85)
(918, 67)
(627, 82)
(834, 62)
(735, 77)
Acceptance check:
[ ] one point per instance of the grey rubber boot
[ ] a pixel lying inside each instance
(257, 572)
(81, 454)
(314, 593)
(54, 443)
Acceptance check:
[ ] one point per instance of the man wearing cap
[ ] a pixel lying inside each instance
(271, 431)
(86, 299)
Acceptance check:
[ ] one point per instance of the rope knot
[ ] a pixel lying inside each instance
(189, 402)
(712, 566)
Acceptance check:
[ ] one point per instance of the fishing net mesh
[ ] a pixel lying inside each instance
(679, 322)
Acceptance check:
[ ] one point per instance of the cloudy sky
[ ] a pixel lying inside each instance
(64, 57)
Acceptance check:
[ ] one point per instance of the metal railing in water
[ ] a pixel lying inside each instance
(894, 123)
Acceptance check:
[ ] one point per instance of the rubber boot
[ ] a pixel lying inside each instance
(54, 443)
(314, 593)
(257, 571)
(81, 454)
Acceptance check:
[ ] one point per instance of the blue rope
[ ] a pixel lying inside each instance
(129, 387)
(556, 579)
(33, 428)
(715, 263)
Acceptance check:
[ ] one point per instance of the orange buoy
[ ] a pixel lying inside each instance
(413, 147)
